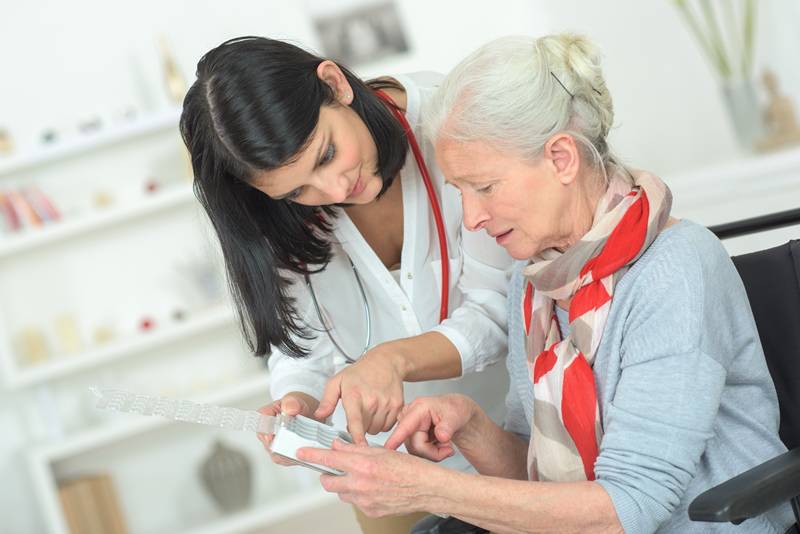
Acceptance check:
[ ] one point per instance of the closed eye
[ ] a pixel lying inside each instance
(295, 193)
(328, 155)
(486, 190)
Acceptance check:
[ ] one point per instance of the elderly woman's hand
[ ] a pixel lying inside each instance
(429, 425)
(377, 480)
(371, 390)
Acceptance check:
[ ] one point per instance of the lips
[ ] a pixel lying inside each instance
(500, 234)
(502, 237)
(357, 188)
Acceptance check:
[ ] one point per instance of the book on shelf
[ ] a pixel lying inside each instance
(41, 204)
(91, 506)
(11, 222)
(26, 207)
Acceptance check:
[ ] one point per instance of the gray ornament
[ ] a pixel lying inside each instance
(227, 476)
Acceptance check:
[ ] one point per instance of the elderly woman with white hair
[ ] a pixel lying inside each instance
(637, 376)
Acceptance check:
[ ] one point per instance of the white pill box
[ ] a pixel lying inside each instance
(294, 432)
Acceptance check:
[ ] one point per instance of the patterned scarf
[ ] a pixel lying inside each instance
(566, 431)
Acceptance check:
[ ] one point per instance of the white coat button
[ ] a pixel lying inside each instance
(409, 276)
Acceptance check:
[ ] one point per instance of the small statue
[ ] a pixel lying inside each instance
(176, 84)
(6, 146)
(780, 121)
(227, 476)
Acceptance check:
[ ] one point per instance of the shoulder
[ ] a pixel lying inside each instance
(419, 86)
(419, 81)
(683, 289)
(686, 251)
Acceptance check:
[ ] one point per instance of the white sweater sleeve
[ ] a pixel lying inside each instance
(478, 326)
(310, 374)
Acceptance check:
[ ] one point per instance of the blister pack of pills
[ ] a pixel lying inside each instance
(290, 432)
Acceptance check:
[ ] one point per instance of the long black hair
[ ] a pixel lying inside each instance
(254, 107)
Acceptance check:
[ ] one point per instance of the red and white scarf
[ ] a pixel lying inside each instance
(566, 430)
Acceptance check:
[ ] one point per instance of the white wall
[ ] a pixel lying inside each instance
(63, 62)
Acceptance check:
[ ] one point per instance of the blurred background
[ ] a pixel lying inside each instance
(109, 275)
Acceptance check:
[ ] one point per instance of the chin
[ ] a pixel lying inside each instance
(521, 252)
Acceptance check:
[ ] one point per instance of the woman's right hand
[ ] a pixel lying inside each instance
(294, 403)
(429, 426)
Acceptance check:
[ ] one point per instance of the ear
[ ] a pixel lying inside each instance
(330, 73)
(563, 153)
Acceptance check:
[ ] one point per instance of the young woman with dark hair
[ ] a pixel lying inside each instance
(331, 240)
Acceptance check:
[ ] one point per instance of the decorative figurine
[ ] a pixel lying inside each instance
(103, 334)
(146, 324)
(127, 114)
(200, 281)
(91, 125)
(69, 340)
(32, 346)
(49, 136)
(102, 199)
(226, 475)
(175, 82)
(151, 186)
(780, 120)
(6, 146)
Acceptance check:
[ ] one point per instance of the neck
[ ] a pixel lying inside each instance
(581, 212)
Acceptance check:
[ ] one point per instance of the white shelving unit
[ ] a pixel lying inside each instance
(748, 177)
(91, 142)
(109, 434)
(41, 459)
(60, 231)
(750, 186)
(61, 371)
(143, 342)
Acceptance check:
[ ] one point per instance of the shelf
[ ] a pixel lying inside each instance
(274, 512)
(148, 341)
(749, 175)
(100, 437)
(92, 141)
(60, 230)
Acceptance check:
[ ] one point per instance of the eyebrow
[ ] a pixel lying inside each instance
(471, 176)
(316, 164)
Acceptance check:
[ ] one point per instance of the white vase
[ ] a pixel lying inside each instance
(741, 101)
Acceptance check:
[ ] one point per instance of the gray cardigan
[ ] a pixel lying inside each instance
(686, 400)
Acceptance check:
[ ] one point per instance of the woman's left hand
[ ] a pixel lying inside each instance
(371, 390)
(377, 480)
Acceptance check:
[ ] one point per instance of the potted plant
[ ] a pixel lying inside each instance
(725, 31)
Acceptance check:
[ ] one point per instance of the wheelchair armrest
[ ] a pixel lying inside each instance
(433, 524)
(752, 493)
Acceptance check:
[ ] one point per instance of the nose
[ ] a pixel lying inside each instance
(475, 215)
(334, 186)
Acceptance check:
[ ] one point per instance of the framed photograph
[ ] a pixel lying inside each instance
(361, 34)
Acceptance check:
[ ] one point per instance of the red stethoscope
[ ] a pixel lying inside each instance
(437, 212)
